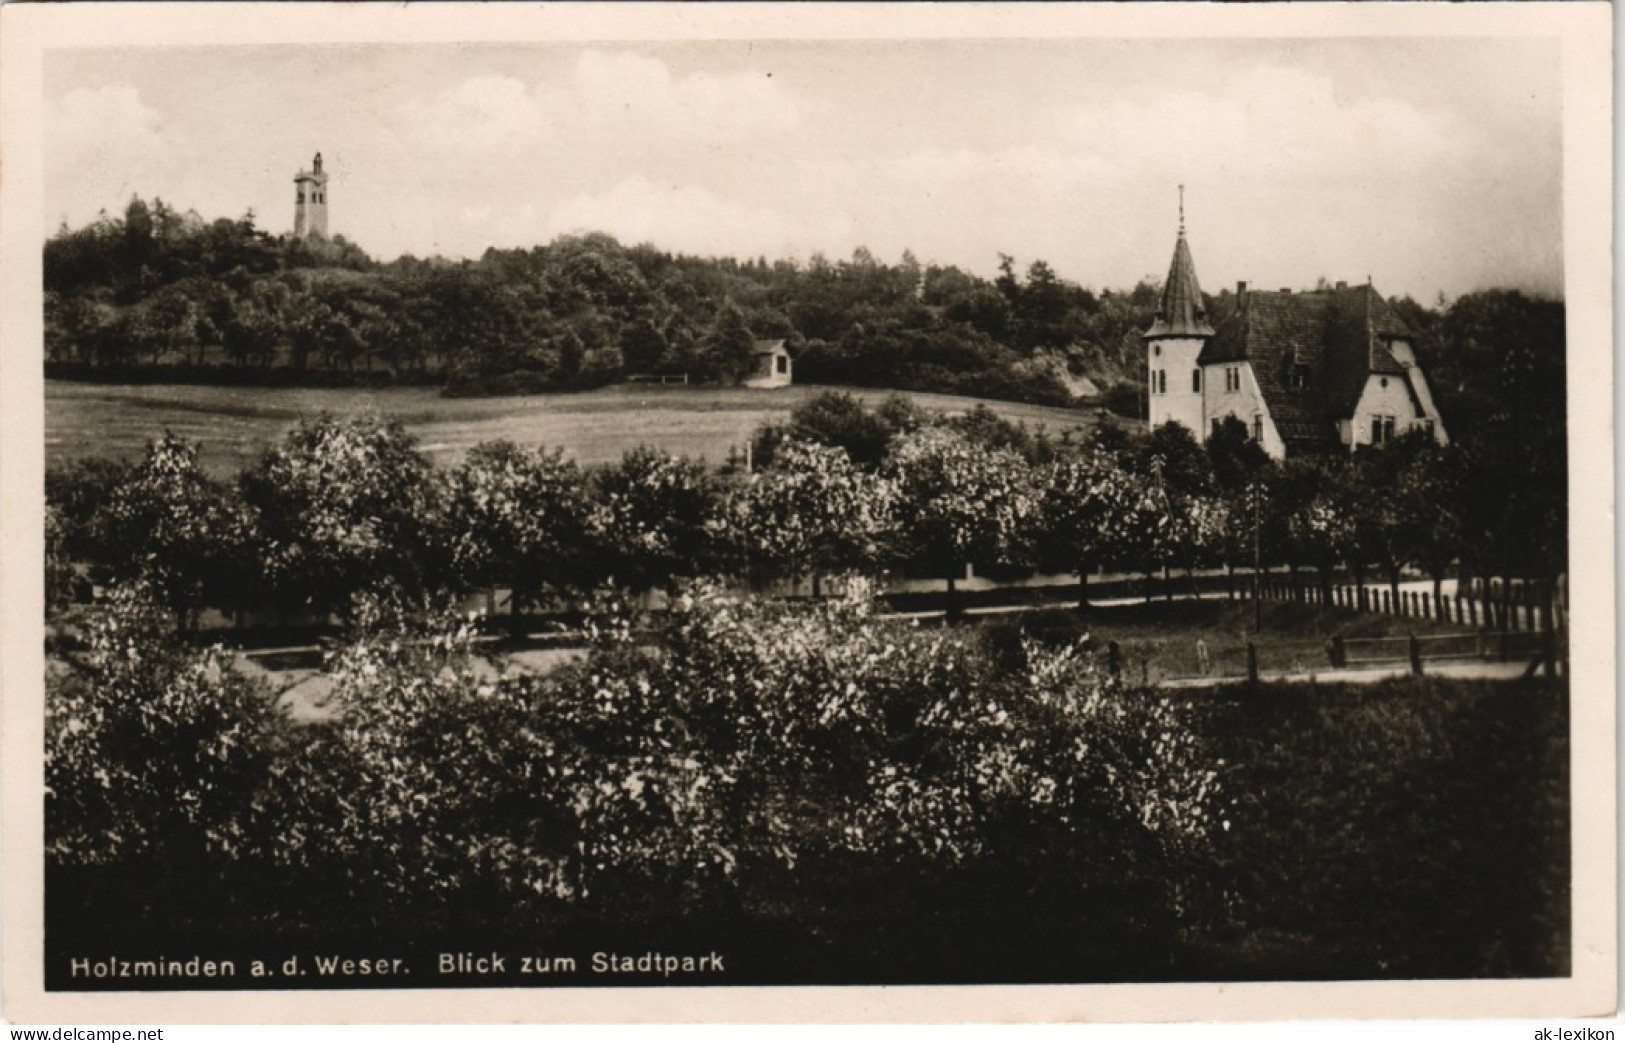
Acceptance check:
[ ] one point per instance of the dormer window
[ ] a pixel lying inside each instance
(1298, 377)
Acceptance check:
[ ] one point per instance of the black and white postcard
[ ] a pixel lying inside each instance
(594, 512)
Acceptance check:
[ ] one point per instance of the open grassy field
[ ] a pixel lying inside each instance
(593, 427)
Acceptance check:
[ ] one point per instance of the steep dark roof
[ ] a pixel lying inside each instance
(1181, 312)
(1335, 338)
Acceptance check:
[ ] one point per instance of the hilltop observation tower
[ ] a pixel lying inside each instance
(310, 202)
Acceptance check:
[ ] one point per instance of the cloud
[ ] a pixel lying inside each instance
(1283, 122)
(1374, 162)
(609, 102)
(479, 117)
(623, 91)
(104, 145)
(525, 159)
(680, 217)
(88, 117)
(694, 219)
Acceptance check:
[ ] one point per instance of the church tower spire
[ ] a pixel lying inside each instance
(310, 202)
(1181, 312)
(1176, 392)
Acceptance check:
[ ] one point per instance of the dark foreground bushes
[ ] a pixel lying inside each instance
(806, 769)
(1412, 828)
(827, 795)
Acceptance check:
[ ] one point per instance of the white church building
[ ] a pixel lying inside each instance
(1310, 371)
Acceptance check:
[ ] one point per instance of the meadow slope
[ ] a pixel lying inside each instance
(593, 427)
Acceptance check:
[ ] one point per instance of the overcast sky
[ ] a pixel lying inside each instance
(1429, 165)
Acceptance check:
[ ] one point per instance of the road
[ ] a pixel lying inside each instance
(1489, 670)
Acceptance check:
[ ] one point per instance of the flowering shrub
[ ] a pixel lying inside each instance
(796, 706)
(171, 527)
(151, 752)
(1321, 529)
(1200, 525)
(840, 737)
(1057, 760)
(423, 786)
(59, 571)
(753, 739)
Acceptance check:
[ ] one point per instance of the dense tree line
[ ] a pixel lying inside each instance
(224, 300)
(340, 505)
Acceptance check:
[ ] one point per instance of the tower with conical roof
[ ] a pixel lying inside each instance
(310, 202)
(1175, 341)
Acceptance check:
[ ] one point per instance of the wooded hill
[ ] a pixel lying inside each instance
(225, 301)
(157, 287)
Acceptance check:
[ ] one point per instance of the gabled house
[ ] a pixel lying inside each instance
(770, 365)
(1311, 371)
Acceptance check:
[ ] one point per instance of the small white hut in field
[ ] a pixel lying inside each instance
(770, 365)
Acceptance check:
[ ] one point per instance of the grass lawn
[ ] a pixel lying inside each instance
(1158, 639)
(593, 427)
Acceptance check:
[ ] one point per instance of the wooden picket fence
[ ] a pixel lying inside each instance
(1523, 609)
(1264, 656)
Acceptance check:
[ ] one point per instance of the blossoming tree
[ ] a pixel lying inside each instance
(516, 518)
(171, 526)
(1087, 513)
(653, 519)
(812, 511)
(960, 503)
(344, 505)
